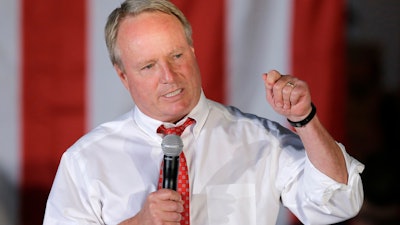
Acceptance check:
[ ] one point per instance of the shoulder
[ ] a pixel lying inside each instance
(236, 121)
(236, 115)
(104, 133)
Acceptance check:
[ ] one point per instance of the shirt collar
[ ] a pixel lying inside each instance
(200, 113)
(150, 125)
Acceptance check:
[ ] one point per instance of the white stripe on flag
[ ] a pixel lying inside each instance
(258, 41)
(9, 109)
(107, 97)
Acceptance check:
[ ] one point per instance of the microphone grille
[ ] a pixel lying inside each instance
(172, 145)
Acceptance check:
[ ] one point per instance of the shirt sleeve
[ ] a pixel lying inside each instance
(67, 202)
(317, 199)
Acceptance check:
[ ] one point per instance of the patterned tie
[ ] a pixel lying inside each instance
(183, 176)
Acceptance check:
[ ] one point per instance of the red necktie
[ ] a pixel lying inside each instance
(183, 176)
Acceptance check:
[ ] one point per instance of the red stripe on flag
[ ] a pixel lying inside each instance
(318, 57)
(208, 25)
(53, 71)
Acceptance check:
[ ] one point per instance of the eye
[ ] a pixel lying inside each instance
(177, 56)
(148, 66)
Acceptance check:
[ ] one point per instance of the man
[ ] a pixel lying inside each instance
(240, 167)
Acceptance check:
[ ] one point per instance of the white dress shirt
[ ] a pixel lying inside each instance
(241, 167)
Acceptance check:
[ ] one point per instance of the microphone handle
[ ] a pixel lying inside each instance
(170, 172)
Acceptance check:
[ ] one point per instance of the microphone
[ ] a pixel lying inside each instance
(172, 147)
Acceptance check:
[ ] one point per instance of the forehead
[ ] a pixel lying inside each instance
(149, 30)
(149, 23)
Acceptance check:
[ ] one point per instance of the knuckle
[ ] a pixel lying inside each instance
(287, 90)
(177, 217)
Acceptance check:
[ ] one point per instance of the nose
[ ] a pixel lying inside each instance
(167, 73)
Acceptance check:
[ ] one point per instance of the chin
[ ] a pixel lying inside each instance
(175, 117)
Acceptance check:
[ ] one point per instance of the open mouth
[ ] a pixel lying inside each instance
(172, 94)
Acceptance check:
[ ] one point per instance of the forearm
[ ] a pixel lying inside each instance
(323, 151)
(291, 98)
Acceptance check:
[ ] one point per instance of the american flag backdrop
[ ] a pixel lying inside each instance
(56, 81)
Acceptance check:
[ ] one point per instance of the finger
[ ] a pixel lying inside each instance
(168, 194)
(171, 217)
(268, 90)
(171, 206)
(298, 93)
(281, 92)
(164, 206)
(169, 200)
(295, 96)
(287, 91)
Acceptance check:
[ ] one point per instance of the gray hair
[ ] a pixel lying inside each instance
(134, 8)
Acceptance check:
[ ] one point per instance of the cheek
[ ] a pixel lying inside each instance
(195, 77)
(141, 90)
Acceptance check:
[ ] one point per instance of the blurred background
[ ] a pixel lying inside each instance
(56, 83)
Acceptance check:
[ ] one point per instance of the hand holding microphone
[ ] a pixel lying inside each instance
(164, 205)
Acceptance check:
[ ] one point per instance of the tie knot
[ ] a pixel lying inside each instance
(175, 130)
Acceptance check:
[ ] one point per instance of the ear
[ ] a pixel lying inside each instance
(122, 76)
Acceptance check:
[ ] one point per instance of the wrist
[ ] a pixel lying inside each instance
(306, 120)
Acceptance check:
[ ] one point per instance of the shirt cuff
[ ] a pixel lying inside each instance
(320, 188)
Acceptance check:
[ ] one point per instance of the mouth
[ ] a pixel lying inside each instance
(174, 93)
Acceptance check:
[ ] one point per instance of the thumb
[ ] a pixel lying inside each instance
(270, 78)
